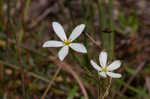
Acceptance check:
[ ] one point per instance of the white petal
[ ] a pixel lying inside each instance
(102, 74)
(103, 58)
(63, 52)
(98, 68)
(53, 44)
(114, 65)
(76, 32)
(113, 75)
(59, 31)
(78, 47)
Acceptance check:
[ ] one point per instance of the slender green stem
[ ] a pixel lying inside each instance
(23, 85)
(1, 7)
(26, 9)
(111, 28)
(99, 90)
(103, 35)
(102, 14)
(1, 14)
(103, 24)
(107, 35)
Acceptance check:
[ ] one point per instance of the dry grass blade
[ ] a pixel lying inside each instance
(68, 68)
(147, 79)
(92, 40)
(51, 82)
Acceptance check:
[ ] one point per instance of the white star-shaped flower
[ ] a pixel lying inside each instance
(106, 69)
(66, 43)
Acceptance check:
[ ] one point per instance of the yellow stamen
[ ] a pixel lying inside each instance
(104, 70)
(67, 42)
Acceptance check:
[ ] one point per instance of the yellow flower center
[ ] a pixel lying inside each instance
(67, 42)
(104, 70)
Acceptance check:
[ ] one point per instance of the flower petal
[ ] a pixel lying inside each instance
(78, 47)
(63, 52)
(53, 44)
(113, 75)
(59, 31)
(98, 68)
(76, 32)
(103, 58)
(114, 65)
(102, 74)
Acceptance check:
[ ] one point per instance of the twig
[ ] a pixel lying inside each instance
(51, 82)
(70, 70)
(107, 89)
(74, 74)
(92, 40)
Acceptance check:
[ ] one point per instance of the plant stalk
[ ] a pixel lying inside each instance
(50, 83)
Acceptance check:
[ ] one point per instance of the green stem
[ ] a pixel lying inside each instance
(103, 24)
(26, 9)
(111, 27)
(107, 37)
(102, 12)
(99, 90)
(1, 6)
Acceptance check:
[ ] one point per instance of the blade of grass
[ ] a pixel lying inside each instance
(103, 37)
(27, 5)
(107, 37)
(102, 23)
(111, 28)
(1, 7)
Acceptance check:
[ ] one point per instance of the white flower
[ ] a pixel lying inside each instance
(106, 69)
(66, 43)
